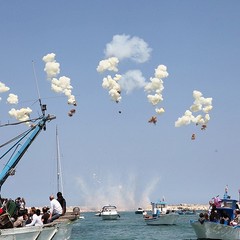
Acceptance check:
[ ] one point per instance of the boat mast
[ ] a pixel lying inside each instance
(59, 167)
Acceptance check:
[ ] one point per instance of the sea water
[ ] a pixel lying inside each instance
(131, 226)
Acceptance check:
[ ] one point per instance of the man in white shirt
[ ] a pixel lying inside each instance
(55, 209)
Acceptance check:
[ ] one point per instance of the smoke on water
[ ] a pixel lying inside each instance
(127, 195)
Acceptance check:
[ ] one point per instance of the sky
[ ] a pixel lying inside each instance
(103, 68)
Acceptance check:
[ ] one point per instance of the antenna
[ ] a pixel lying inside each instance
(43, 106)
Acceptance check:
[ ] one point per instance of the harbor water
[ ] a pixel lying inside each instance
(131, 226)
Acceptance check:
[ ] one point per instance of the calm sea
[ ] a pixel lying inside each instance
(131, 226)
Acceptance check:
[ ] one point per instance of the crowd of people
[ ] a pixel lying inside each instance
(217, 213)
(21, 216)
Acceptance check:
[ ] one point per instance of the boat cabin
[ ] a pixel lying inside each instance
(109, 208)
(158, 208)
(227, 207)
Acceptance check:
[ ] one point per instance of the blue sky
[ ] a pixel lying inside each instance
(110, 153)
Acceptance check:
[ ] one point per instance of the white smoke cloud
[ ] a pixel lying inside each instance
(109, 64)
(125, 195)
(61, 85)
(123, 46)
(22, 114)
(132, 80)
(159, 110)
(52, 68)
(113, 86)
(155, 87)
(3, 87)
(200, 104)
(12, 98)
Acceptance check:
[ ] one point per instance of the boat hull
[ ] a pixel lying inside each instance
(55, 231)
(109, 216)
(162, 219)
(212, 230)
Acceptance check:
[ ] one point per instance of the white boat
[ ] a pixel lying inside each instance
(109, 213)
(218, 228)
(161, 215)
(61, 228)
(139, 211)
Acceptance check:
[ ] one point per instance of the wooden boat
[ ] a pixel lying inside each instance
(161, 215)
(218, 227)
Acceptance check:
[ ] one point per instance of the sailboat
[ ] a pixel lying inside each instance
(59, 229)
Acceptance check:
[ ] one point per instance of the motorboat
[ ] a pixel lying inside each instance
(139, 211)
(161, 215)
(218, 222)
(109, 213)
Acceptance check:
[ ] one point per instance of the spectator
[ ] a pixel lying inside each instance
(62, 201)
(46, 215)
(55, 209)
(36, 218)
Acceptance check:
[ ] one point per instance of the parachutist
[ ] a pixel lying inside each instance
(153, 120)
(119, 111)
(203, 127)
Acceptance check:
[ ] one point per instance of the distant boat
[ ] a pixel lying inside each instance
(139, 211)
(217, 226)
(186, 212)
(161, 215)
(109, 213)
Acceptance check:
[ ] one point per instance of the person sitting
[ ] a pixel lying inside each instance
(201, 218)
(36, 218)
(62, 201)
(225, 219)
(21, 220)
(45, 215)
(236, 220)
(214, 217)
(55, 209)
